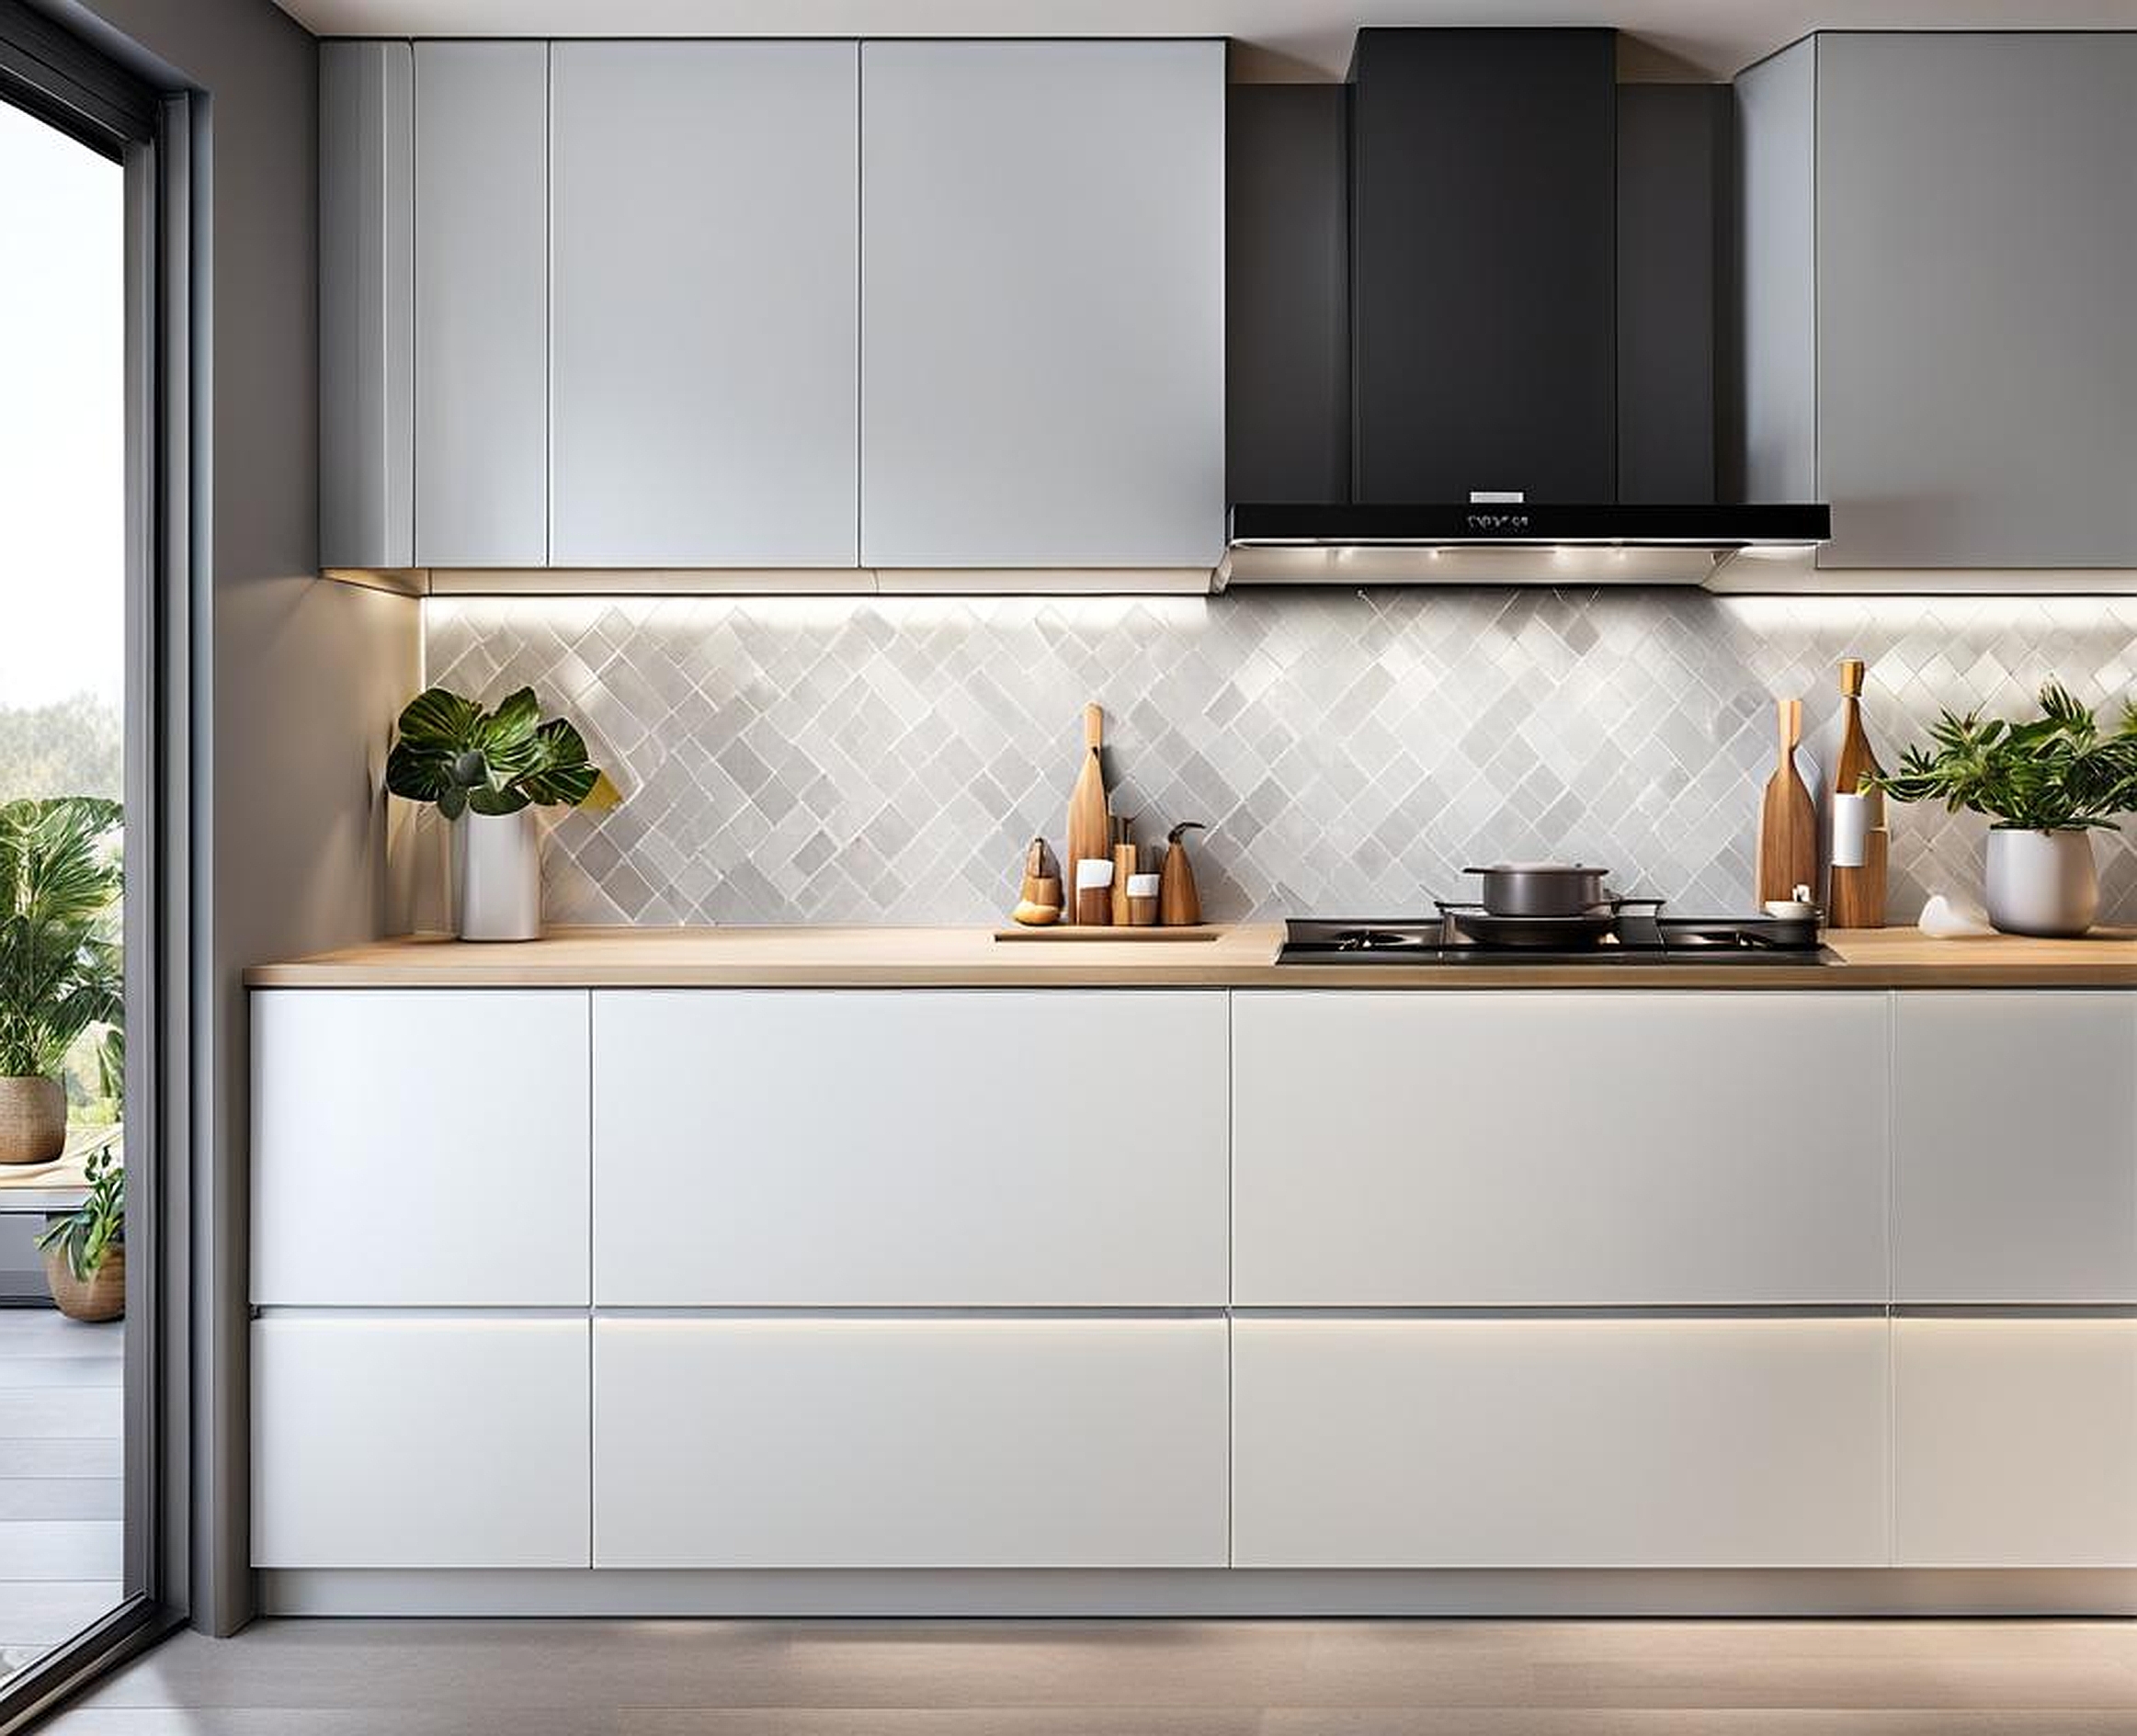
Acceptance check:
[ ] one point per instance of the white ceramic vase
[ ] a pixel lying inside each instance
(2041, 882)
(500, 875)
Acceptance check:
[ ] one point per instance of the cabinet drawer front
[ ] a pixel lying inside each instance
(2017, 1118)
(425, 1147)
(1584, 1443)
(704, 225)
(2016, 1442)
(1527, 1149)
(419, 1442)
(902, 1442)
(910, 1149)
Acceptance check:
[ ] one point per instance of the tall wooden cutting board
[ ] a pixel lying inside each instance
(1788, 822)
(1858, 896)
(1090, 828)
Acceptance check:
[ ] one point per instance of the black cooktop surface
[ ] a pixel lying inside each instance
(1646, 939)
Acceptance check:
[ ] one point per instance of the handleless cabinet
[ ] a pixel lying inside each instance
(891, 1441)
(871, 1150)
(1939, 231)
(482, 304)
(2016, 1147)
(2017, 1441)
(1537, 1149)
(409, 1440)
(1042, 305)
(366, 343)
(422, 1147)
(1393, 1442)
(703, 303)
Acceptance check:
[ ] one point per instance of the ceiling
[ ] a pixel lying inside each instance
(1278, 39)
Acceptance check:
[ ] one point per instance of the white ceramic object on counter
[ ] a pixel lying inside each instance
(2043, 882)
(500, 875)
(1948, 917)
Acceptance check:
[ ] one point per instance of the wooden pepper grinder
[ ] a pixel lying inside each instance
(1179, 906)
(1857, 895)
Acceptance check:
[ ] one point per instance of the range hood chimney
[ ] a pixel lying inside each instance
(1532, 379)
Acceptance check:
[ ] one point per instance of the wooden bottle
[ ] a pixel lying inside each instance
(1090, 831)
(1857, 897)
(1179, 906)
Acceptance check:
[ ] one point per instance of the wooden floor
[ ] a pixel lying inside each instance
(59, 1495)
(649, 1678)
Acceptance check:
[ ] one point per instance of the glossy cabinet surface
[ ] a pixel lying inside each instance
(1366, 1442)
(1042, 304)
(704, 300)
(902, 1442)
(419, 1441)
(2016, 1442)
(1537, 1149)
(420, 1146)
(482, 304)
(2017, 1149)
(864, 1148)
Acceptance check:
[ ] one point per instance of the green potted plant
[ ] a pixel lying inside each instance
(60, 977)
(486, 772)
(2046, 783)
(85, 1250)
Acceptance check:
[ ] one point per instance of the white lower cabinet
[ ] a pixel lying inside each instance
(1646, 1442)
(1523, 1149)
(897, 1441)
(419, 1441)
(2016, 1442)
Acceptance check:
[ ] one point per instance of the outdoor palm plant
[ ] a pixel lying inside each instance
(60, 972)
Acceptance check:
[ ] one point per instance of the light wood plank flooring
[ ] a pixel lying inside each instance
(61, 1512)
(1365, 1678)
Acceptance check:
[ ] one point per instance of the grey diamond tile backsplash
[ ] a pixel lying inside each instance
(847, 760)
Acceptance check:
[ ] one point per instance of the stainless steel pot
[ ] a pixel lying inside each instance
(1542, 889)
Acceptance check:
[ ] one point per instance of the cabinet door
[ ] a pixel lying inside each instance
(2017, 1442)
(910, 1442)
(425, 1146)
(405, 1441)
(1557, 1443)
(1523, 1148)
(366, 376)
(1042, 339)
(875, 1149)
(482, 304)
(703, 210)
(1976, 238)
(2016, 1118)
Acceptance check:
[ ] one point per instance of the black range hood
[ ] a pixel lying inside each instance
(1516, 285)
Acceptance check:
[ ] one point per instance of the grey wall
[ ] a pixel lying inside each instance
(298, 677)
(834, 760)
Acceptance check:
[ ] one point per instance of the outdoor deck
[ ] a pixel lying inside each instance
(60, 1491)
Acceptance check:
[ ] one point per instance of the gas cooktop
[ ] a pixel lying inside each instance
(1647, 937)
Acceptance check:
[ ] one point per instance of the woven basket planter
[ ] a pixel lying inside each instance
(33, 1120)
(100, 1296)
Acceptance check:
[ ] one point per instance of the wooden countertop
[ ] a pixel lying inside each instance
(1241, 957)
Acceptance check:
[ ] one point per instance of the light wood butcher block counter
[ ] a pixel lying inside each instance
(1242, 956)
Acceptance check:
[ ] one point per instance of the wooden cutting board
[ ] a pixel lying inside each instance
(1090, 830)
(1857, 898)
(1788, 822)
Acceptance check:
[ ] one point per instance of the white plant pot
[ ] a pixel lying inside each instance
(2041, 882)
(500, 875)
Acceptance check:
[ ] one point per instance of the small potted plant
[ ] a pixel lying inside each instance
(85, 1250)
(2047, 784)
(487, 772)
(60, 975)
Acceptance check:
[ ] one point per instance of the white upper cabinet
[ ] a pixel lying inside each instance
(1042, 342)
(482, 304)
(1941, 229)
(1521, 1149)
(886, 1150)
(2016, 1116)
(704, 212)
